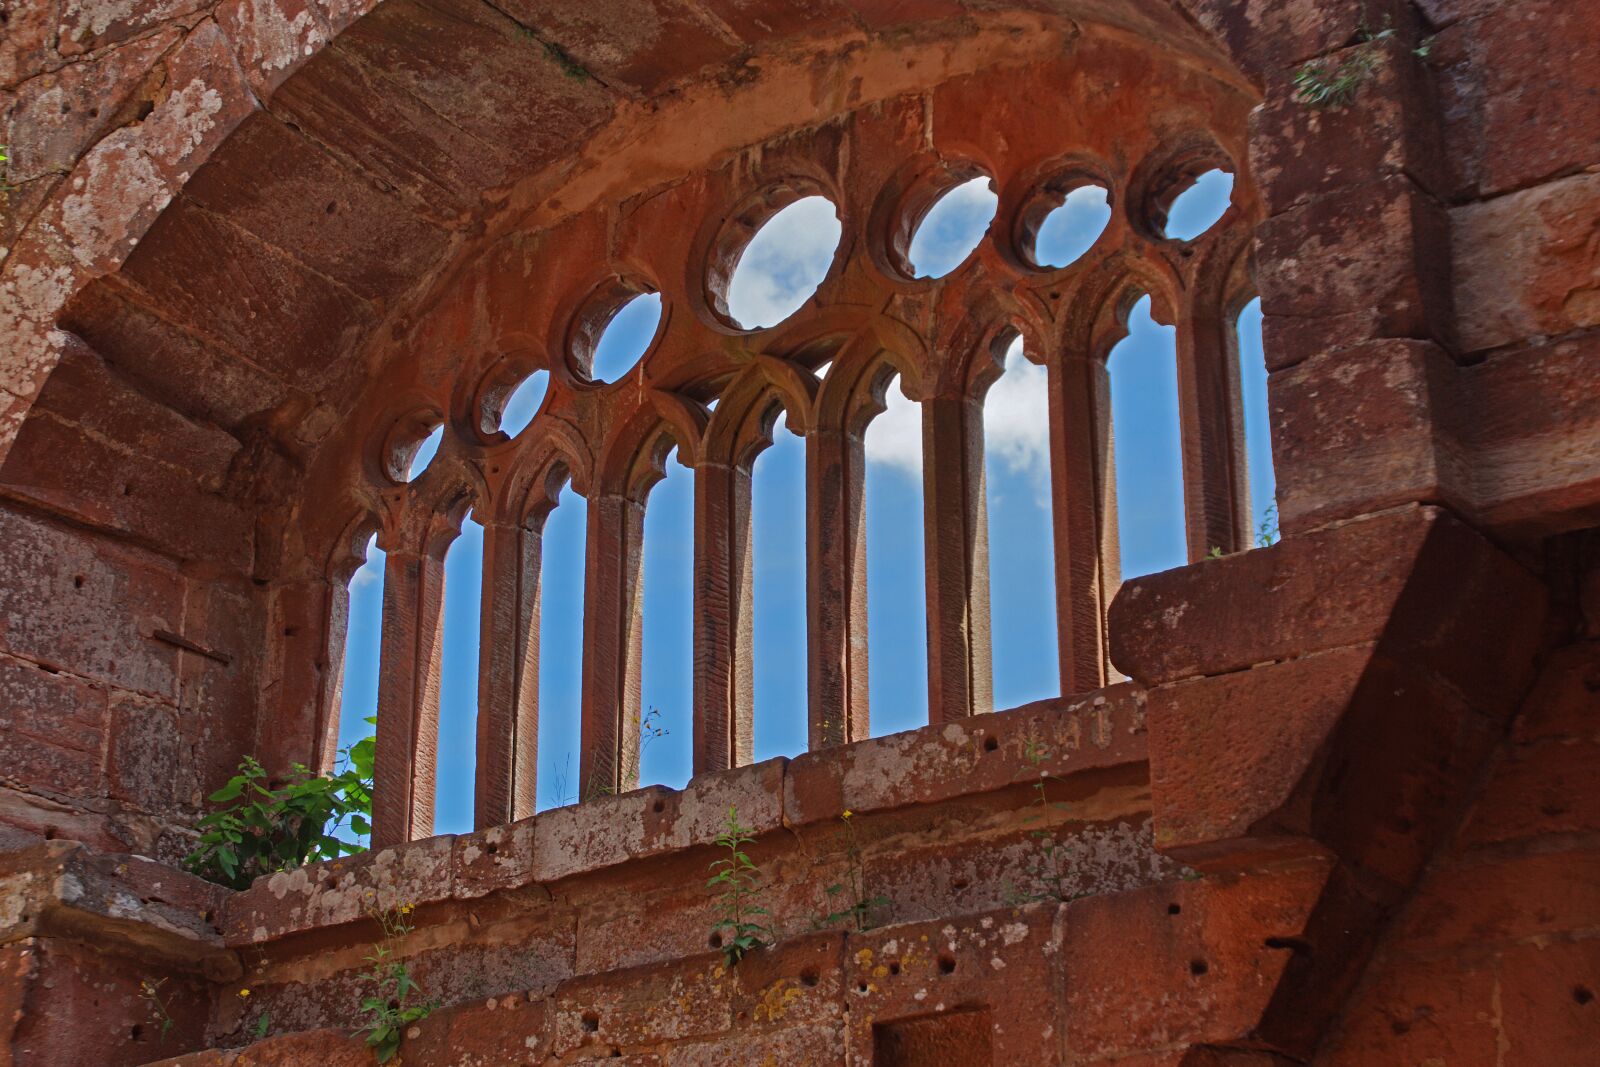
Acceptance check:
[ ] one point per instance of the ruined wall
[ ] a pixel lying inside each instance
(1350, 844)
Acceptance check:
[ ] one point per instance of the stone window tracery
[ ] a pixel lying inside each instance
(711, 389)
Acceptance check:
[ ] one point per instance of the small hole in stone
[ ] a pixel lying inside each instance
(127, 489)
(77, 581)
(491, 848)
(1198, 967)
(947, 965)
(616, 1053)
(145, 107)
(959, 883)
(659, 807)
(291, 631)
(137, 1033)
(211, 916)
(861, 987)
(1582, 995)
(1400, 1027)
(894, 968)
(1174, 909)
(94, 112)
(809, 977)
(332, 207)
(591, 1022)
(49, 835)
(991, 744)
(716, 940)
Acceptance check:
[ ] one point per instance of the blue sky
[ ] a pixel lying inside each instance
(777, 273)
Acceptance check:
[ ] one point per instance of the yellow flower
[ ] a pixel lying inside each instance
(407, 909)
(848, 813)
(244, 992)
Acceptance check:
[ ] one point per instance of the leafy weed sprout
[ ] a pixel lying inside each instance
(389, 1011)
(860, 907)
(739, 880)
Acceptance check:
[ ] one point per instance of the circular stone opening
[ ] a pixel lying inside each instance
(510, 409)
(1066, 225)
(1197, 205)
(784, 263)
(626, 330)
(412, 445)
(953, 227)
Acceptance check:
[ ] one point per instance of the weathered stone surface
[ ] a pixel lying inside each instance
(1527, 264)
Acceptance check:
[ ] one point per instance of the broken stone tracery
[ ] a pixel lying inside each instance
(872, 319)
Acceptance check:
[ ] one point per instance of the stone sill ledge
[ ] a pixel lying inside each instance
(940, 762)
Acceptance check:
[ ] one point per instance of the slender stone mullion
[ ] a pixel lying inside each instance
(408, 698)
(723, 677)
(1216, 514)
(836, 588)
(1083, 505)
(613, 638)
(508, 675)
(956, 558)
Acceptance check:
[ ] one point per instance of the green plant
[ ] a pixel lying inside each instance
(150, 993)
(1215, 553)
(1049, 866)
(389, 1009)
(1267, 533)
(739, 880)
(859, 910)
(1326, 85)
(262, 830)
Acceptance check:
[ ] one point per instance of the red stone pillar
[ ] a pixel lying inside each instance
(304, 673)
(1211, 420)
(613, 638)
(836, 587)
(508, 675)
(408, 696)
(956, 535)
(1083, 501)
(724, 682)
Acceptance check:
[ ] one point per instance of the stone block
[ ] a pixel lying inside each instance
(1428, 588)
(1367, 428)
(689, 998)
(1441, 1010)
(1526, 265)
(1189, 962)
(1565, 701)
(1363, 263)
(504, 1029)
(1548, 1002)
(51, 728)
(1485, 901)
(1300, 152)
(1538, 790)
(981, 753)
(921, 970)
(340, 891)
(501, 857)
(1535, 437)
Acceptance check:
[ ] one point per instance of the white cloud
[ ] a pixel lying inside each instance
(1016, 418)
(784, 263)
(894, 438)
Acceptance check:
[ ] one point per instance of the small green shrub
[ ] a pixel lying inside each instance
(261, 830)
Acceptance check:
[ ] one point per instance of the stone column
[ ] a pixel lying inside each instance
(1211, 419)
(1083, 504)
(613, 638)
(508, 674)
(956, 535)
(408, 696)
(724, 683)
(836, 587)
